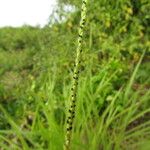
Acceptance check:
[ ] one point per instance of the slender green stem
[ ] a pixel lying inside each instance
(71, 113)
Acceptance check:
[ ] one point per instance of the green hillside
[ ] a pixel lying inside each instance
(36, 68)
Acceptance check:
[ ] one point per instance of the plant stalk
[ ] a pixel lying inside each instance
(72, 107)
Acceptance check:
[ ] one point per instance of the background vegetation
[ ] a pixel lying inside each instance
(113, 100)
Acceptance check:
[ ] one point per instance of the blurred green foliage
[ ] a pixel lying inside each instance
(19, 38)
(36, 63)
(117, 33)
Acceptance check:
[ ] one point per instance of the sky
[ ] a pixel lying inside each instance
(16, 13)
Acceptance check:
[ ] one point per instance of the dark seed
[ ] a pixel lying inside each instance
(84, 2)
(68, 129)
(81, 26)
(80, 41)
(80, 36)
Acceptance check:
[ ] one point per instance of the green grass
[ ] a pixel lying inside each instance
(113, 96)
(103, 113)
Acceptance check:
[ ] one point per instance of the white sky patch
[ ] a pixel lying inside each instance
(31, 12)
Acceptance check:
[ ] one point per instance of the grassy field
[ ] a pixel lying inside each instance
(36, 69)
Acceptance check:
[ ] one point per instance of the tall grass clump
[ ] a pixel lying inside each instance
(111, 119)
(72, 111)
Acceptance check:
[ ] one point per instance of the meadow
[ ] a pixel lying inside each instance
(113, 97)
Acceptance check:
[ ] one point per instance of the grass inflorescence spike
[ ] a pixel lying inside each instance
(72, 110)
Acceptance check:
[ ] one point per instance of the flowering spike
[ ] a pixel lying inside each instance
(72, 110)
